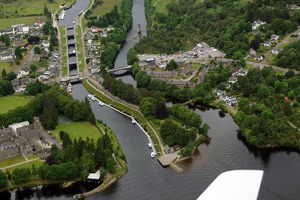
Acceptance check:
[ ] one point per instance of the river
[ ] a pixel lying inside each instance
(146, 179)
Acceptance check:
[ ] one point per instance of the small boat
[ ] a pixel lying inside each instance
(101, 103)
(93, 98)
(73, 22)
(133, 121)
(90, 95)
(152, 154)
(80, 12)
(149, 145)
(69, 88)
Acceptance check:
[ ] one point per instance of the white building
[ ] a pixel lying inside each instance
(257, 24)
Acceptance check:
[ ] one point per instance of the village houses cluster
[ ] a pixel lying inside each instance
(22, 139)
(236, 71)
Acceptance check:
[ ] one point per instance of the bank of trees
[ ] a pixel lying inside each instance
(269, 102)
(3, 179)
(223, 24)
(48, 105)
(289, 57)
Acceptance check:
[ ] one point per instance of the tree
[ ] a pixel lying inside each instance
(254, 44)
(132, 56)
(18, 53)
(33, 67)
(172, 65)
(3, 73)
(147, 106)
(37, 50)
(161, 111)
(49, 118)
(3, 179)
(21, 175)
(110, 165)
(66, 140)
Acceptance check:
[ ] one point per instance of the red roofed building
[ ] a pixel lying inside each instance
(39, 22)
(95, 29)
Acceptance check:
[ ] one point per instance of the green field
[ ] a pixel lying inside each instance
(161, 5)
(106, 7)
(29, 7)
(5, 65)
(10, 102)
(7, 23)
(11, 161)
(77, 129)
(37, 163)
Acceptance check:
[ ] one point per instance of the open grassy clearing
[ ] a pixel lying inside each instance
(77, 129)
(11, 161)
(106, 7)
(8, 22)
(6, 66)
(161, 5)
(37, 164)
(29, 7)
(10, 102)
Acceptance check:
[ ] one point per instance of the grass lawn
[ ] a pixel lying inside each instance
(12, 161)
(37, 163)
(161, 5)
(77, 129)
(6, 23)
(270, 59)
(32, 157)
(106, 7)
(6, 66)
(283, 45)
(10, 102)
(30, 7)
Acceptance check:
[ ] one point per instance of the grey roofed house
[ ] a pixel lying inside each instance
(186, 69)
(181, 83)
(221, 92)
(162, 73)
(232, 79)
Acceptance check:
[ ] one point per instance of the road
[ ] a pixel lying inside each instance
(285, 40)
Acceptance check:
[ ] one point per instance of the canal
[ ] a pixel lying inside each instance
(146, 179)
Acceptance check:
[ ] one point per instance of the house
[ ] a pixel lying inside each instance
(39, 22)
(252, 52)
(221, 92)
(94, 176)
(231, 101)
(7, 55)
(274, 37)
(46, 43)
(185, 70)
(267, 44)
(242, 72)
(293, 7)
(275, 51)
(18, 41)
(257, 24)
(21, 73)
(181, 83)
(162, 74)
(232, 80)
(227, 86)
(95, 29)
(25, 29)
(258, 57)
(109, 28)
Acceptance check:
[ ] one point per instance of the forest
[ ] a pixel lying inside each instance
(222, 24)
(267, 106)
(289, 57)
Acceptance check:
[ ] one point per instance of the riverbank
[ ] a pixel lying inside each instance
(126, 108)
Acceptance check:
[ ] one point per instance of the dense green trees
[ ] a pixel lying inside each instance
(186, 115)
(263, 116)
(289, 57)
(132, 57)
(21, 175)
(3, 179)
